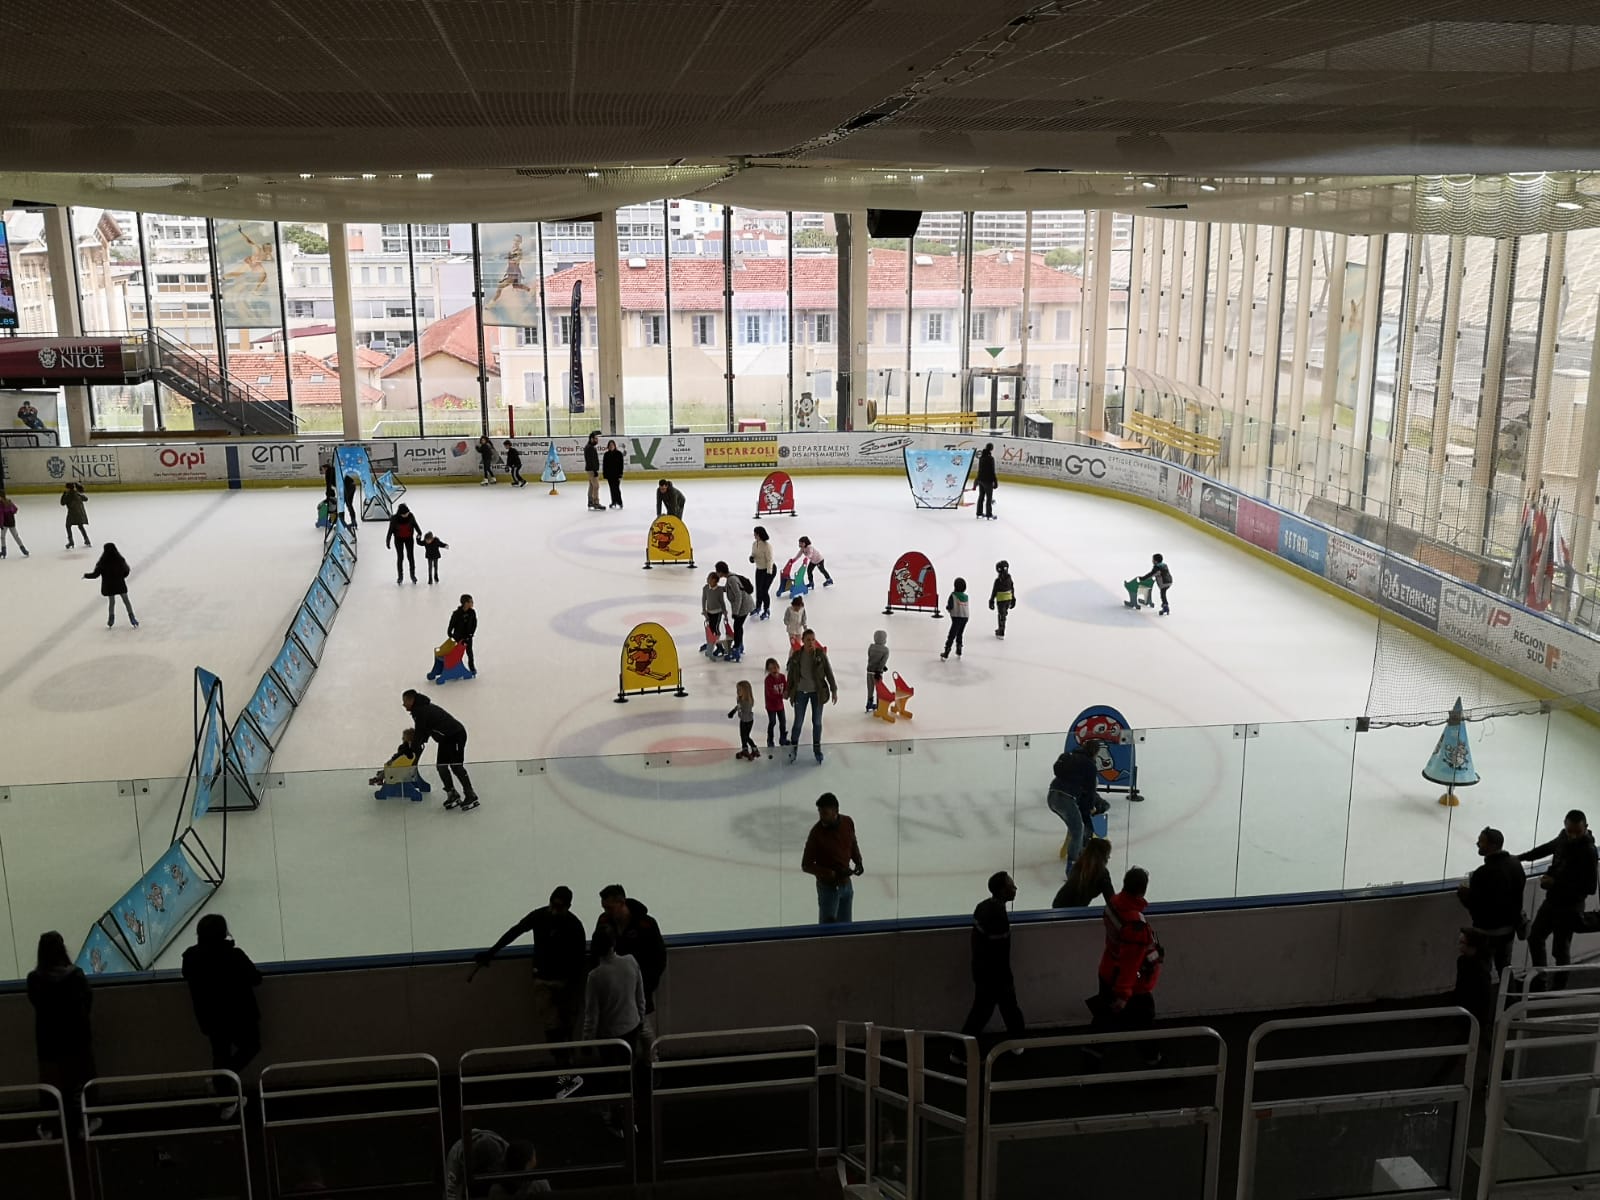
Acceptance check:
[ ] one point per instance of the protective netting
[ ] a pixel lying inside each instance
(1415, 682)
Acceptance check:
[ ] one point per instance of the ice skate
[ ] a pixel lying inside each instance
(452, 799)
(469, 803)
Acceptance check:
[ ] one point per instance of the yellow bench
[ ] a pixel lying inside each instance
(1171, 435)
(967, 422)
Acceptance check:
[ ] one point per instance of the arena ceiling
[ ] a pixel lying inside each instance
(429, 108)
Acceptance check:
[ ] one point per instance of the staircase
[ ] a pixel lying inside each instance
(220, 400)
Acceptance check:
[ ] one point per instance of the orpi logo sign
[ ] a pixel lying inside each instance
(182, 460)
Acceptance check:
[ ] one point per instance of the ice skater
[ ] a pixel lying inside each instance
(1002, 596)
(75, 500)
(794, 622)
(987, 482)
(957, 605)
(432, 548)
(740, 593)
(351, 486)
(112, 571)
(431, 721)
(1161, 575)
(611, 465)
(486, 461)
(814, 564)
(464, 628)
(327, 513)
(811, 684)
(744, 707)
(877, 664)
(713, 603)
(761, 556)
(405, 755)
(773, 686)
(8, 526)
(514, 465)
(402, 536)
(669, 499)
(591, 467)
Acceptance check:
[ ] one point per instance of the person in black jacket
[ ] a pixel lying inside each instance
(351, 485)
(463, 628)
(514, 465)
(611, 467)
(402, 536)
(222, 982)
(591, 466)
(486, 460)
(62, 1039)
(669, 499)
(1492, 896)
(1568, 883)
(431, 721)
(112, 571)
(1073, 795)
(987, 482)
(637, 935)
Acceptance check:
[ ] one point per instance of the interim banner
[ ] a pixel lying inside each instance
(649, 663)
(247, 275)
(508, 297)
(575, 387)
(937, 477)
(668, 544)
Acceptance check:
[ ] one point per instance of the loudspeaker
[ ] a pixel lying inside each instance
(892, 222)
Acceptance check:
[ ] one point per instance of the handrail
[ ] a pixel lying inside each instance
(40, 1105)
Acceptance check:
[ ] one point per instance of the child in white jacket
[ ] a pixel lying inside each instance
(794, 622)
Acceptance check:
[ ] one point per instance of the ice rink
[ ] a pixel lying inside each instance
(1256, 778)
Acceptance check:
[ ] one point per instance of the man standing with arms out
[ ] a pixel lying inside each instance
(992, 982)
(637, 936)
(1492, 896)
(986, 483)
(591, 467)
(833, 856)
(1129, 966)
(431, 721)
(811, 682)
(1568, 883)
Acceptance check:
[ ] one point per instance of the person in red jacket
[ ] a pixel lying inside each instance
(1130, 966)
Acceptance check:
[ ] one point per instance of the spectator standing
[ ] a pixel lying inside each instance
(638, 936)
(62, 1038)
(612, 464)
(992, 982)
(402, 535)
(112, 571)
(987, 482)
(514, 465)
(1492, 896)
(463, 629)
(75, 500)
(1129, 966)
(431, 721)
(613, 1002)
(833, 857)
(811, 684)
(1088, 878)
(1568, 883)
(222, 987)
(669, 499)
(591, 467)
(8, 526)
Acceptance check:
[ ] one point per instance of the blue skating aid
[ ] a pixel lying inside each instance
(449, 662)
(402, 783)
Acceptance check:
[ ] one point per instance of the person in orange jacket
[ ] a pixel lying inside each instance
(1130, 966)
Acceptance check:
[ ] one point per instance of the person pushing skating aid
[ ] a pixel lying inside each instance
(1161, 575)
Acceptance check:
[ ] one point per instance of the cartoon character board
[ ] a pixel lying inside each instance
(937, 477)
(1115, 763)
(668, 544)
(914, 586)
(649, 663)
(776, 497)
(151, 912)
(333, 580)
(312, 635)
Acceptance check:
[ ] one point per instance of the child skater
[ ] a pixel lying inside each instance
(1161, 576)
(432, 547)
(773, 688)
(8, 526)
(956, 606)
(112, 571)
(712, 605)
(75, 500)
(877, 664)
(405, 755)
(814, 564)
(464, 628)
(794, 621)
(514, 465)
(1002, 596)
(745, 706)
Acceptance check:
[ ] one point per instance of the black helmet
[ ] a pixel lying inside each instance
(1002, 565)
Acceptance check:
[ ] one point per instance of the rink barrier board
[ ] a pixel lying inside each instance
(1486, 630)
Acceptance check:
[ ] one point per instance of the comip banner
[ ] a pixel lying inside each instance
(649, 663)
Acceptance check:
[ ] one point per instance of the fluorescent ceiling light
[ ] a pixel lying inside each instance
(1569, 205)
(1208, 187)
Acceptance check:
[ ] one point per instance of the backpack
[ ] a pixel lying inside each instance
(748, 588)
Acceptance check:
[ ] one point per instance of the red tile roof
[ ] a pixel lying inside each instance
(315, 383)
(366, 358)
(455, 335)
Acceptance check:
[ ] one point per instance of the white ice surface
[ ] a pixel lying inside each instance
(648, 793)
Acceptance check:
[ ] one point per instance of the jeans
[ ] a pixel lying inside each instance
(834, 902)
(991, 991)
(776, 716)
(1065, 806)
(516, 475)
(801, 701)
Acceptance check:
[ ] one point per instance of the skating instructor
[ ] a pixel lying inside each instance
(431, 721)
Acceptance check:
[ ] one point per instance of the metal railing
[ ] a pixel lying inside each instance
(166, 1135)
(35, 1158)
(309, 1110)
(1334, 1103)
(208, 384)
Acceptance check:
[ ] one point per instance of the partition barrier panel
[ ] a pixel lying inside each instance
(350, 1125)
(35, 1156)
(167, 1135)
(947, 1115)
(853, 1064)
(889, 1103)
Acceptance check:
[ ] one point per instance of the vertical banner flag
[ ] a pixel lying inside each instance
(508, 297)
(1350, 321)
(8, 291)
(575, 391)
(247, 275)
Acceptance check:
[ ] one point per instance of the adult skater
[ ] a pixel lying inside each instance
(811, 683)
(75, 500)
(761, 556)
(987, 482)
(330, 478)
(351, 486)
(222, 988)
(1002, 596)
(741, 602)
(591, 468)
(669, 499)
(1074, 797)
(1568, 883)
(514, 465)
(112, 571)
(486, 460)
(431, 721)
(1161, 576)
(611, 465)
(8, 526)
(402, 536)
(992, 982)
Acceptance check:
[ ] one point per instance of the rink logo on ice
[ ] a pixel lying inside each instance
(1410, 592)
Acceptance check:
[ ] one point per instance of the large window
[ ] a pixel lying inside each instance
(761, 314)
(568, 260)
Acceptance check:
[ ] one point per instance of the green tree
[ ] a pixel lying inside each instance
(309, 240)
(1061, 258)
(812, 239)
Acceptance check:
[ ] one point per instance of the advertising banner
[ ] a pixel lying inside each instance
(913, 585)
(800, 450)
(55, 466)
(1180, 491)
(1409, 591)
(1563, 660)
(278, 461)
(247, 275)
(1048, 460)
(1256, 523)
(658, 455)
(668, 544)
(1354, 565)
(886, 450)
(55, 361)
(294, 669)
(508, 297)
(937, 477)
(1217, 506)
(8, 287)
(431, 457)
(174, 464)
(741, 450)
(1303, 544)
(649, 663)
(1139, 474)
